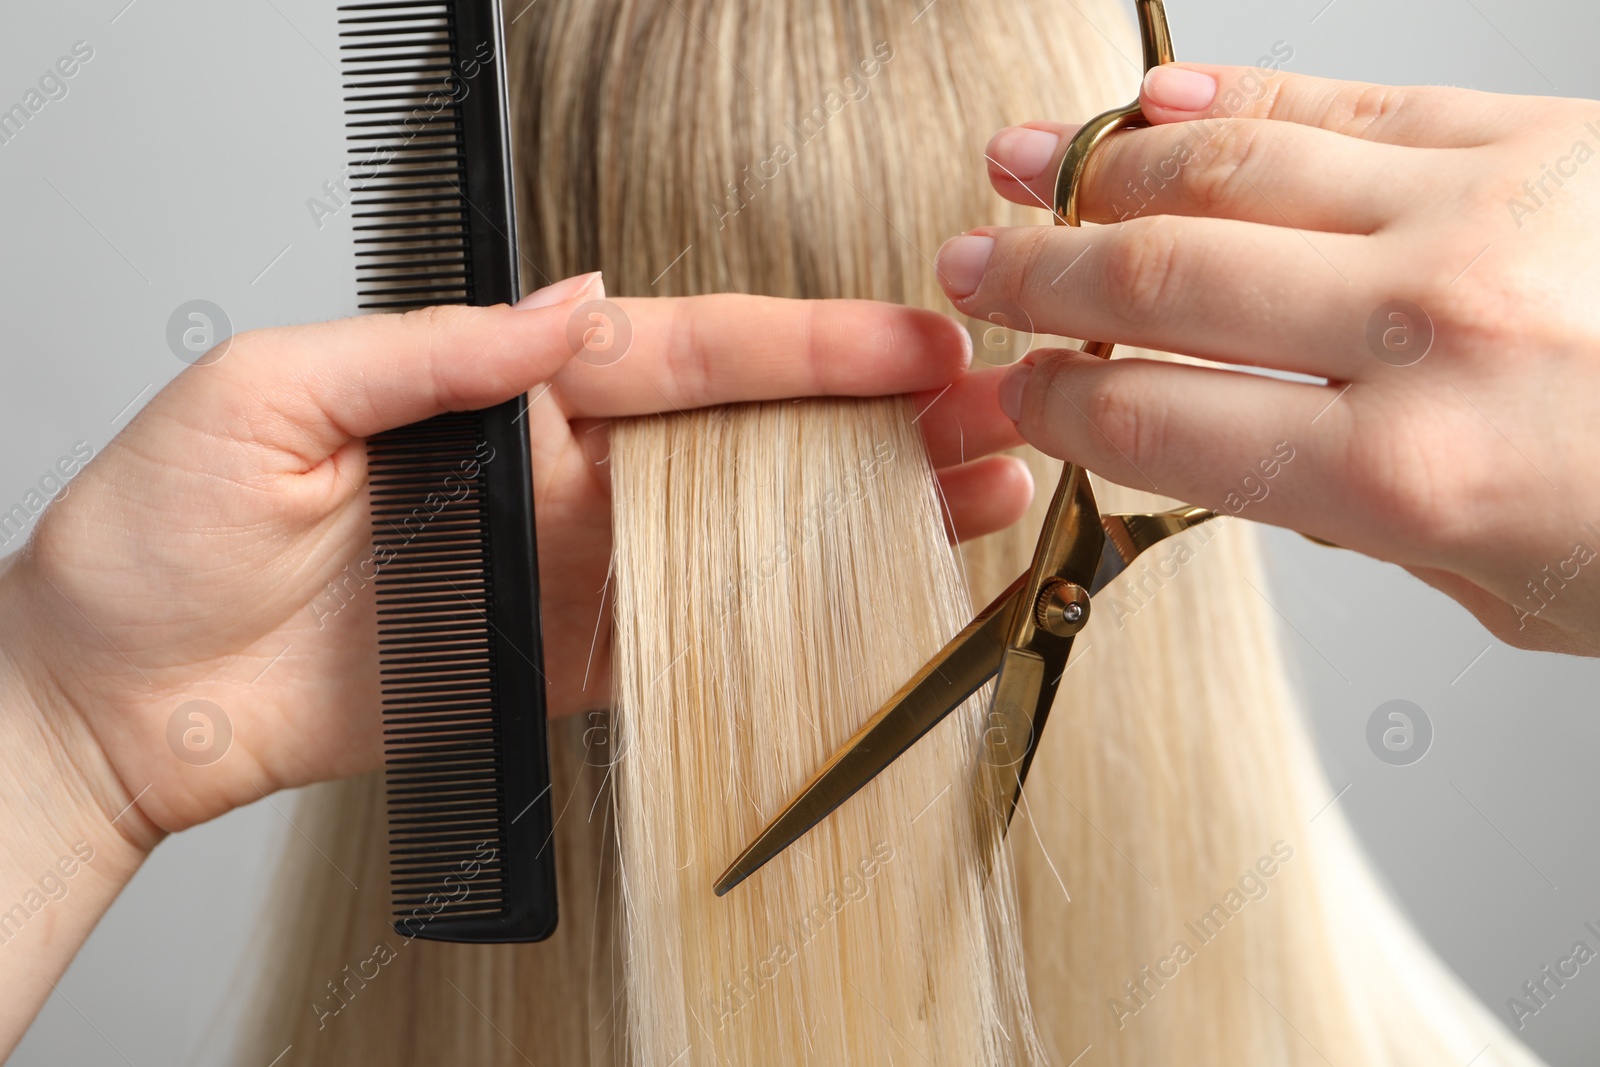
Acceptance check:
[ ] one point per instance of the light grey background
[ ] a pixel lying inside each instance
(179, 166)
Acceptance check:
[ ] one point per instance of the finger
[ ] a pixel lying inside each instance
(1214, 288)
(960, 422)
(1419, 116)
(1251, 170)
(963, 421)
(984, 496)
(702, 351)
(1212, 437)
(310, 390)
(307, 391)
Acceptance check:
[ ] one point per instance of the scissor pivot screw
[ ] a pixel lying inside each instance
(1062, 608)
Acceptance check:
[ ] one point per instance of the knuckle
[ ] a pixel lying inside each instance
(432, 319)
(435, 324)
(1119, 412)
(1482, 315)
(1476, 317)
(1385, 485)
(1361, 109)
(689, 366)
(1030, 256)
(1399, 472)
(1220, 176)
(809, 343)
(1142, 268)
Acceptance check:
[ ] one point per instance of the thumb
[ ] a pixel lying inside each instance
(309, 390)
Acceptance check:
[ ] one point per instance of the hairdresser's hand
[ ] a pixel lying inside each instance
(192, 559)
(1274, 220)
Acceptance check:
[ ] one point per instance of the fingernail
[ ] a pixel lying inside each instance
(560, 292)
(1011, 387)
(1023, 153)
(962, 262)
(1179, 89)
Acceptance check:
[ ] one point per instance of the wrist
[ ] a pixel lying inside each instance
(64, 854)
(57, 788)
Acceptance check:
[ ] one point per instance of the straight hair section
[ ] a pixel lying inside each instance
(780, 570)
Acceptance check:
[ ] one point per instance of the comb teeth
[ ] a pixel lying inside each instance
(435, 656)
(404, 87)
(459, 647)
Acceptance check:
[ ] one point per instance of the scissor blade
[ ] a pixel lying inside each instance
(944, 682)
(1023, 696)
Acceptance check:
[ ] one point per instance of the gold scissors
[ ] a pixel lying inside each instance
(1026, 635)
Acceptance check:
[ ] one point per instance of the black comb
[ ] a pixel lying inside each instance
(452, 498)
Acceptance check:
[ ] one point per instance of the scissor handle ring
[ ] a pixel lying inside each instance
(1157, 39)
(1069, 179)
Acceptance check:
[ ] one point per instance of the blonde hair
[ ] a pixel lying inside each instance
(1174, 801)
(873, 938)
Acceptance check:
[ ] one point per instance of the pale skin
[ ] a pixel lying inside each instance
(188, 556)
(1269, 237)
(191, 558)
